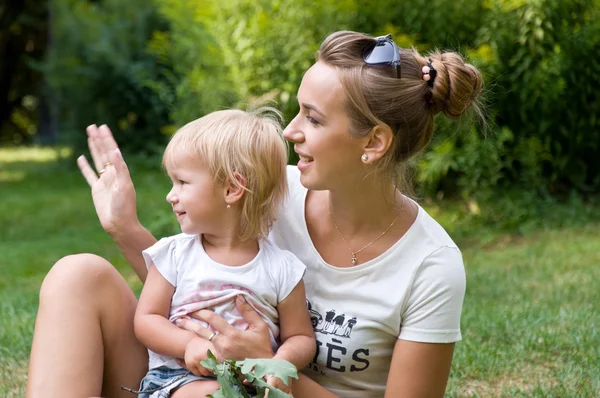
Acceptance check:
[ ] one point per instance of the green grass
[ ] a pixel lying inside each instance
(530, 323)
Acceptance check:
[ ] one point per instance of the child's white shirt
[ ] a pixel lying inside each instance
(202, 283)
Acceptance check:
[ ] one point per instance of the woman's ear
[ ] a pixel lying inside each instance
(380, 139)
(233, 191)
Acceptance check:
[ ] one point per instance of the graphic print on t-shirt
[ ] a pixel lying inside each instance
(333, 332)
(333, 324)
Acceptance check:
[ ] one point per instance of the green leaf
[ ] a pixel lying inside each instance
(219, 394)
(227, 376)
(228, 379)
(210, 362)
(241, 387)
(273, 392)
(274, 367)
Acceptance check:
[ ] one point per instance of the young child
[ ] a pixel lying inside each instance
(228, 174)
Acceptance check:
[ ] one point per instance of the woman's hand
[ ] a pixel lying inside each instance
(112, 189)
(231, 343)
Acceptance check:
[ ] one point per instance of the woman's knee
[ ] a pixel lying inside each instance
(78, 272)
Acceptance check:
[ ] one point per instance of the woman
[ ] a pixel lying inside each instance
(385, 283)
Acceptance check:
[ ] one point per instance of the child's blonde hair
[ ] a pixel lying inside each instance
(234, 143)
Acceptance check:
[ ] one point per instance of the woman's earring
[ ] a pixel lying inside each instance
(228, 206)
(364, 157)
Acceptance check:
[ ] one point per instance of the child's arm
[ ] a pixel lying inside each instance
(151, 321)
(297, 337)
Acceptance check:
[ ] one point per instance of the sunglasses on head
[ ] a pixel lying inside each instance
(383, 52)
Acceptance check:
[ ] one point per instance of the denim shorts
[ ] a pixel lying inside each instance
(163, 381)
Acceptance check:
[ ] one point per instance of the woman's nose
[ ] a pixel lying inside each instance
(292, 132)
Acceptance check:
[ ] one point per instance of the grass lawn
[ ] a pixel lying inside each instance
(530, 327)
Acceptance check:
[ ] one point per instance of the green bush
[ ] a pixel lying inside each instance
(194, 76)
(146, 68)
(544, 80)
(576, 137)
(260, 49)
(541, 80)
(101, 72)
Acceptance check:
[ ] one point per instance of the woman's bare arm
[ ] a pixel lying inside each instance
(114, 197)
(305, 387)
(419, 370)
(131, 243)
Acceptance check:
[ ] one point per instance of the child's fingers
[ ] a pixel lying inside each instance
(181, 363)
(199, 370)
(204, 372)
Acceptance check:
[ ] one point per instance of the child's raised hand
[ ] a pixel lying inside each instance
(112, 189)
(196, 351)
(279, 384)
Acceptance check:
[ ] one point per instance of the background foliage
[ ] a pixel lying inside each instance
(102, 72)
(146, 68)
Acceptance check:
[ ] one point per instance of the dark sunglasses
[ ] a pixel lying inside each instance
(382, 53)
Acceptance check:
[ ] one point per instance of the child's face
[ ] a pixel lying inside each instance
(197, 200)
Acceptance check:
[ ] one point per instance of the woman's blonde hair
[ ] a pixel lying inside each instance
(375, 96)
(234, 144)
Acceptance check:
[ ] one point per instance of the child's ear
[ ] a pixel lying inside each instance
(235, 190)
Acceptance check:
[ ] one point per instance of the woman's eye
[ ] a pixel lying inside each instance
(182, 182)
(312, 121)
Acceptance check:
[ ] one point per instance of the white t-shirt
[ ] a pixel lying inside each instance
(413, 291)
(202, 283)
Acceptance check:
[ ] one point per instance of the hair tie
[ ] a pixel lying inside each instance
(429, 73)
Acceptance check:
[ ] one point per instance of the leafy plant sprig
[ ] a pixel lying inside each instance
(230, 374)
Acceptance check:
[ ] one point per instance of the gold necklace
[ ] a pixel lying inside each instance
(354, 260)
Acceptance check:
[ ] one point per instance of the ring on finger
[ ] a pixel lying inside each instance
(100, 172)
(107, 164)
(212, 336)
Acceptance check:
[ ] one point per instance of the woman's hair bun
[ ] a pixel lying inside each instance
(457, 84)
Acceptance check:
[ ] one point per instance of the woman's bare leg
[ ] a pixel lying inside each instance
(84, 344)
